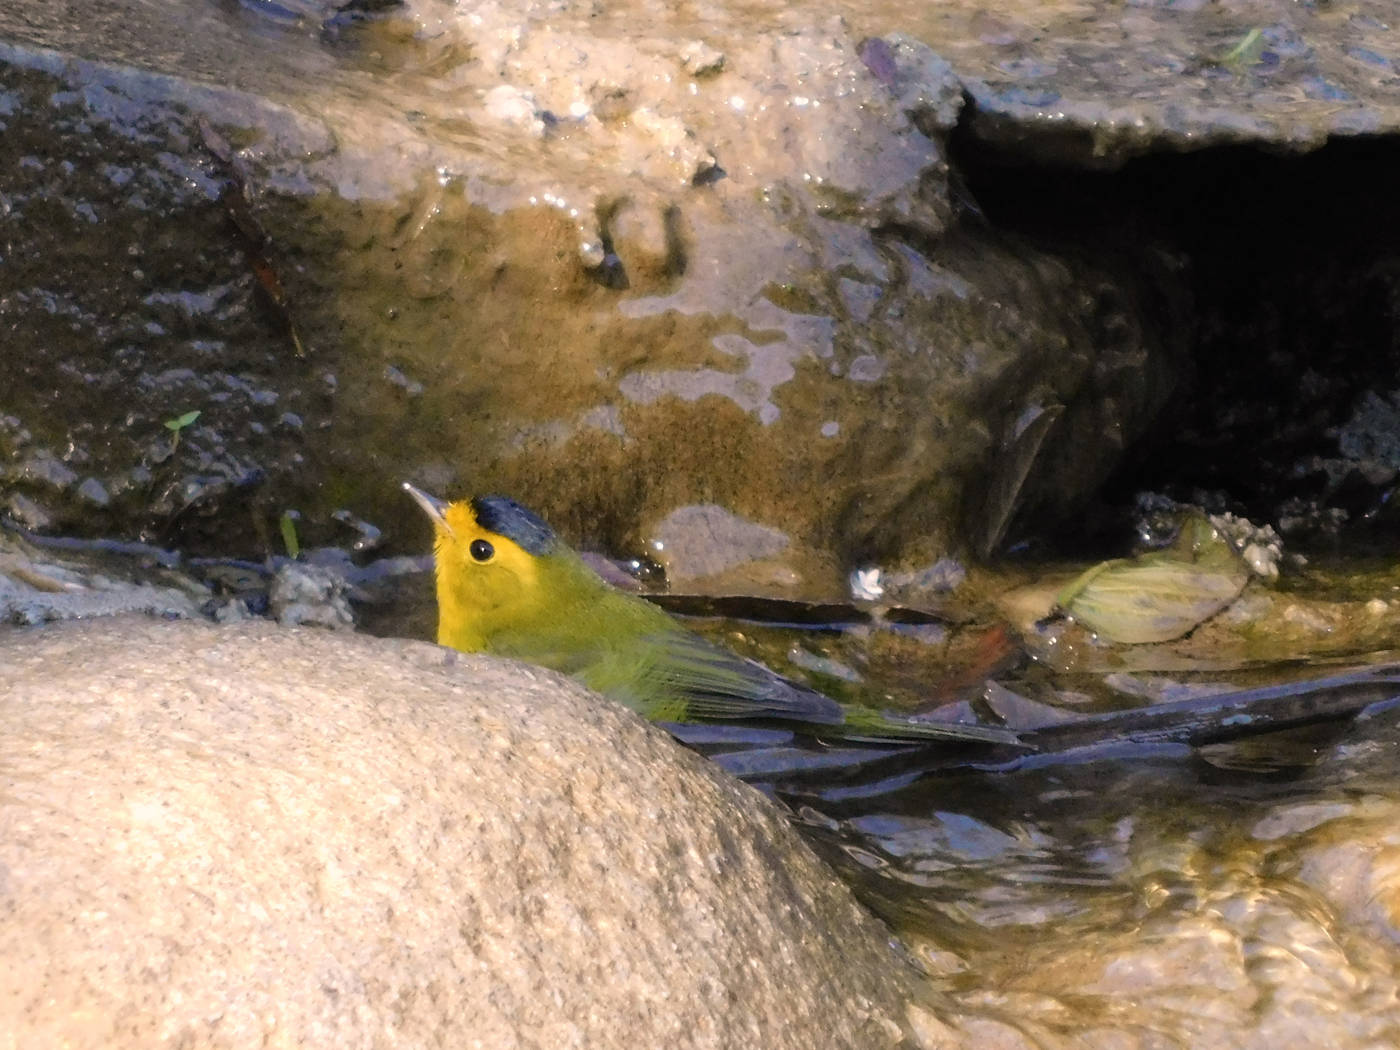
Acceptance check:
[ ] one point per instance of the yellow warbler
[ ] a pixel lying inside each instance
(508, 585)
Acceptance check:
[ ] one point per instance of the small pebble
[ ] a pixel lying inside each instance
(699, 59)
(93, 491)
(865, 585)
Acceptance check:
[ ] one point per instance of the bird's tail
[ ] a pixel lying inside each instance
(866, 725)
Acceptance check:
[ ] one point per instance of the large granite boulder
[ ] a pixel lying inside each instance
(258, 836)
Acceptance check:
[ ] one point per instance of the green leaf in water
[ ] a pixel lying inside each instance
(1160, 596)
(288, 525)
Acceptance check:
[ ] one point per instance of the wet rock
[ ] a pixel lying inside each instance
(27, 513)
(926, 584)
(705, 540)
(613, 271)
(38, 586)
(240, 834)
(1095, 91)
(826, 666)
(1359, 472)
(1372, 434)
(734, 282)
(310, 594)
(93, 491)
(510, 105)
(1291, 820)
(229, 610)
(1355, 864)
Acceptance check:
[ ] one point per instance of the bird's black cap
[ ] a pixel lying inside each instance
(505, 517)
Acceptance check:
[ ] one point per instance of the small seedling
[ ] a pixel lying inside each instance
(1246, 52)
(178, 424)
(288, 525)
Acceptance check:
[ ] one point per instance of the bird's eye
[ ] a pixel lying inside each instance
(482, 551)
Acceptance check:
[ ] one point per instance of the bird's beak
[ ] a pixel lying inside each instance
(432, 506)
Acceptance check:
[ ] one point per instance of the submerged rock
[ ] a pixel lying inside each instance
(1242, 903)
(253, 834)
(38, 586)
(705, 541)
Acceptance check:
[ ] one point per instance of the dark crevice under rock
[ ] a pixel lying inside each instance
(1289, 267)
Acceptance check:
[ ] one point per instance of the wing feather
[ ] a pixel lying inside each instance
(720, 685)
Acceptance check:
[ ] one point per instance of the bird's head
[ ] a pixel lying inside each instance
(492, 558)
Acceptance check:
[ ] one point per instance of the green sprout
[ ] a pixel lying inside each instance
(1246, 52)
(288, 526)
(178, 424)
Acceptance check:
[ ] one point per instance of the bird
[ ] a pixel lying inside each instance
(508, 585)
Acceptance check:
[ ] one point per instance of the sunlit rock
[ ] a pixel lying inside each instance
(252, 835)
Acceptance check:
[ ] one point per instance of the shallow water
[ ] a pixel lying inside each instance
(1216, 904)
(1241, 894)
(1235, 895)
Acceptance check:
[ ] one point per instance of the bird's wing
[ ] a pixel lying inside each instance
(718, 685)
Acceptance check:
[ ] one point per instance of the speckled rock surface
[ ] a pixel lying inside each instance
(258, 836)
